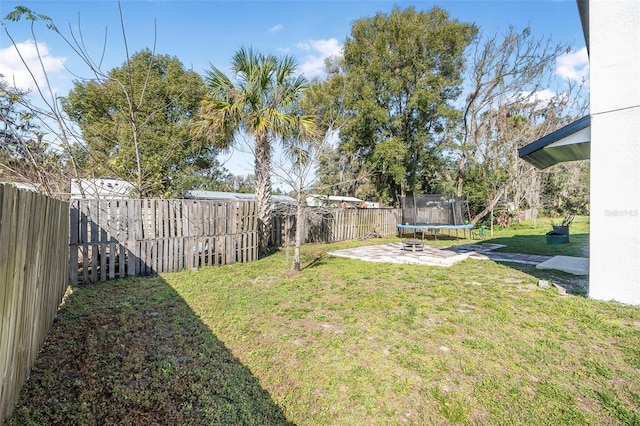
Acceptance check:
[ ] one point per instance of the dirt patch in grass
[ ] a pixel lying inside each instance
(133, 352)
(577, 285)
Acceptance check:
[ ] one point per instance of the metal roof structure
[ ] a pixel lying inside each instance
(235, 196)
(570, 143)
(315, 200)
(101, 189)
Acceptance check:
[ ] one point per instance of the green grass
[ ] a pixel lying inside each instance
(133, 352)
(344, 342)
(529, 238)
(525, 238)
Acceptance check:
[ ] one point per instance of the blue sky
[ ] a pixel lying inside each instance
(201, 33)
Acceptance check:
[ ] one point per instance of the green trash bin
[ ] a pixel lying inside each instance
(555, 238)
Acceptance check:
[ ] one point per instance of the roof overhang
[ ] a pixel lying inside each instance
(583, 11)
(570, 143)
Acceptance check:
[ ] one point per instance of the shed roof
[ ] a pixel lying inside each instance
(102, 188)
(234, 196)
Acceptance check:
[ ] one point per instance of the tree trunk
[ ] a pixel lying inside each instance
(300, 221)
(460, 180)
(491, 205)
(263, 190)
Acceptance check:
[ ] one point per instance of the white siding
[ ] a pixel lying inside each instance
(614, 28)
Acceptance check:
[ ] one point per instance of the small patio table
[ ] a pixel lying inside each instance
(414, 245)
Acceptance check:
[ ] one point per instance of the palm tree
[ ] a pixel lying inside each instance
(261, 104)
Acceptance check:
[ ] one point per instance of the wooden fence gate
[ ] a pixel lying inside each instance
(116, 238)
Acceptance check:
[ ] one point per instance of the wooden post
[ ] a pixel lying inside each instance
(73, 242)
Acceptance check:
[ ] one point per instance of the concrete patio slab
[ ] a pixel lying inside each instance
(569, 264)
(526, 259)
(394, 253)
(433, 256)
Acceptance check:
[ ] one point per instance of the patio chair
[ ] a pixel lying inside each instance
(479, 233)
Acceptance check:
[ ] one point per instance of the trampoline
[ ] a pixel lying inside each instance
(422, 228)
(432, 213)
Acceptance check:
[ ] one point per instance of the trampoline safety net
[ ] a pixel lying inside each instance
(435, 209)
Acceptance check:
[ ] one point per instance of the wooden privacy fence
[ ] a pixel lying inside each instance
(34, 232)
(324, 225)
(116, 238)
(349, 224)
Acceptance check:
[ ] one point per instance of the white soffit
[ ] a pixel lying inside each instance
(581, 136)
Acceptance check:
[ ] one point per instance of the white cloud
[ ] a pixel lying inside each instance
(14, 71)
(573, 65)
(329, 47)
(544, 95)
(541, 97)
(319, 50)
(276, 28)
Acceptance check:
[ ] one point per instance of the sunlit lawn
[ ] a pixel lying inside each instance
(343, 342)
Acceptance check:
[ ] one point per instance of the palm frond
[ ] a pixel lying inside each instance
(261, 101)
(286, 67)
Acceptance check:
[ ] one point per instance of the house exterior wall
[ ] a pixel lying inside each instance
(614, 29)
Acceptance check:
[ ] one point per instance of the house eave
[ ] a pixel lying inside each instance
(569, 143)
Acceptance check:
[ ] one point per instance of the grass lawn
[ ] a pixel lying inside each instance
(344, 342)
(524, 238)
(530, 239)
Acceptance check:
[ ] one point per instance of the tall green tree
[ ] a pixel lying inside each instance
(565, 189)
(135, 121)
(339, 169)
(260, 104)
(401, 72)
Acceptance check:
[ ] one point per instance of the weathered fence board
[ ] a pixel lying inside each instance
(323, 225)
(117, 238)
(34, 275)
